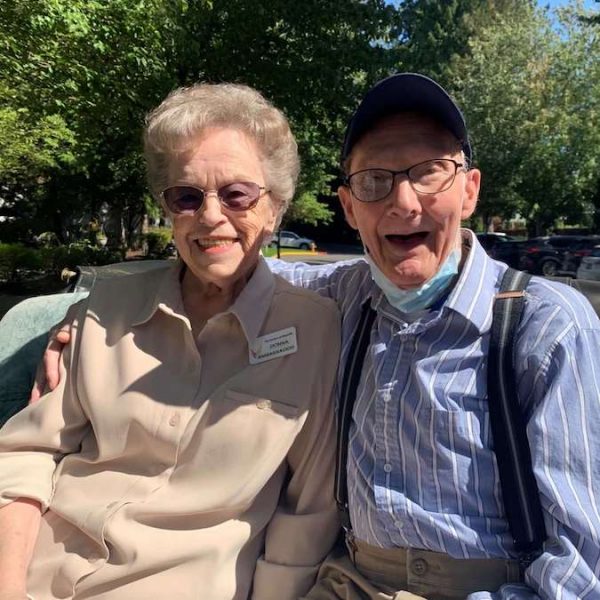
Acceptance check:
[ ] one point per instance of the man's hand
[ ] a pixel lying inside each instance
(47, 374)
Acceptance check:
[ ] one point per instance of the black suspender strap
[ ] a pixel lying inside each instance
(350, 381)
(519, 488)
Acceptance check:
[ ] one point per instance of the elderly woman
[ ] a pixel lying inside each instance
(188, 451)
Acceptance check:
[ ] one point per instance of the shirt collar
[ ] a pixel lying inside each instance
(254, 301)
(167, 297)
(250, 307)
(473, 293)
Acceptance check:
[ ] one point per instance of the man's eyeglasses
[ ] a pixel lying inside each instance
(186, 199)
(428, 177)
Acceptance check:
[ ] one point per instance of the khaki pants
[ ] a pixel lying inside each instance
(406, 574)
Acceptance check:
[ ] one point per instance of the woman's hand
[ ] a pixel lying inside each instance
(8, 595)
(48, 374)
(19, 526)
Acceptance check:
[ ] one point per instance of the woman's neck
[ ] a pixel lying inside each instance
(203, 300)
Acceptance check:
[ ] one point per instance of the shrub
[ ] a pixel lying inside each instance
(157, 240)
(16, 259)
(81, 253)
(19, 263)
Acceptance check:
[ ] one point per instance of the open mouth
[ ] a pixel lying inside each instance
(409, 239)
(215, 244)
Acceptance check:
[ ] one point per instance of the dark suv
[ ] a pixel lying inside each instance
(505, 248)
(501, 247)
(555, 255)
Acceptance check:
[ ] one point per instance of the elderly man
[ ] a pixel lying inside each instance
(427, 516)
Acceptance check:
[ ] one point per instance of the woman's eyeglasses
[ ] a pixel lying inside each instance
(237, 196)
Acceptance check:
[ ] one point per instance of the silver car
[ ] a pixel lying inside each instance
(289, 239)
(589, 268)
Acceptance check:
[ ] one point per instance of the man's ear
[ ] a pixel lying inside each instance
(345, 197)
(471, 195)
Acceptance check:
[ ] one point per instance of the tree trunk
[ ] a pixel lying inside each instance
(113, 227)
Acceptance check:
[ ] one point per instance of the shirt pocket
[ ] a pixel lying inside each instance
(239, 443)
(464, 475)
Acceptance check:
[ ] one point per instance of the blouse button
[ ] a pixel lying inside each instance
(263, 404)
(387, 468)
(174, 420)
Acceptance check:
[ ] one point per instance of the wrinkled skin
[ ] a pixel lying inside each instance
(409, 235)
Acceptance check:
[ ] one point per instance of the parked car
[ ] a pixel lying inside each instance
(589, 267)
(573, 256)
(512, 252)
(546, 257)
(503, 247)
(289, 239)
(491, 239)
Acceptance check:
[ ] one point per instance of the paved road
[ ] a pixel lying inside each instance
(317, 258)
(327, 253)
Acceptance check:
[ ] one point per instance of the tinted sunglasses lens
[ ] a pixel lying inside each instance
(239, 196)
(183, 200)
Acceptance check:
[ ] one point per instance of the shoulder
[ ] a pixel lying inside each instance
(334, 280)
(559, 331)
(557, 347)
(553, 303)
(123, 295)
(144, 273)
(302, 302)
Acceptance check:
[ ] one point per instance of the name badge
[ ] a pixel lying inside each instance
(274, 345)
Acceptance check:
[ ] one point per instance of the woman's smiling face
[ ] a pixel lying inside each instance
(409, 235)
(221, 246)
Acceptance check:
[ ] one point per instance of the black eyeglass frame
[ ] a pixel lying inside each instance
(262, 190)
(346, 181)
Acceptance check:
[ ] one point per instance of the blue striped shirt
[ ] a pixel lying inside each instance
(421, 468)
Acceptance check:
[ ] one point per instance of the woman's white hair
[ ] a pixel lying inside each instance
(181, 118)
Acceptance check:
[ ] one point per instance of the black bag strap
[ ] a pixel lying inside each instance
(519, 488)
(350, 381)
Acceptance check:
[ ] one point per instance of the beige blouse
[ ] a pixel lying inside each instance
(180, 468)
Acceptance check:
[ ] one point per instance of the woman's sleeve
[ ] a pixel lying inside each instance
(34, 440)
(305, 524)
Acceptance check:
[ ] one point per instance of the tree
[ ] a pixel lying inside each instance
(530, 91)
(432, 35)
(92, 69)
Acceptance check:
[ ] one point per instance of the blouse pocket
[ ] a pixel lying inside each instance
(272, 406)
(239, 443)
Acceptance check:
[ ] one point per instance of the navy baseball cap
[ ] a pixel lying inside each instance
(405, 92)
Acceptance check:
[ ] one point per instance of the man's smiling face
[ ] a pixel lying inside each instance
(409, 235)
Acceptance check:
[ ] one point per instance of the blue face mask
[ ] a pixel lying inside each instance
(419, 298)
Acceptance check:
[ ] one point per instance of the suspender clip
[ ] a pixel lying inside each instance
(525, 559)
